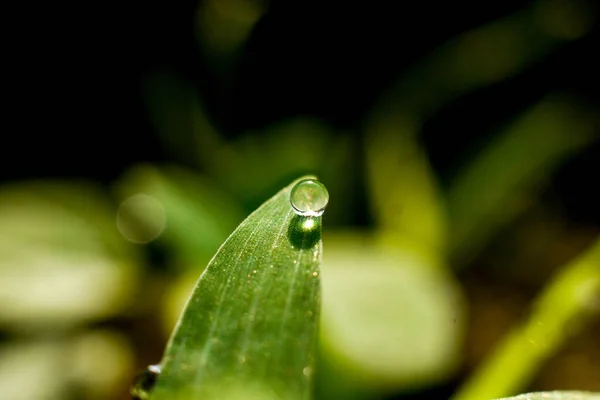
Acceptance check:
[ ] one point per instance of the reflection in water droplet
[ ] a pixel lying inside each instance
(309, 224)
(309, 198)
(304, 232)
(144, 382)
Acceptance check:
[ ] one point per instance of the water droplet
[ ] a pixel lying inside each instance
(144, 382)
(309, 198)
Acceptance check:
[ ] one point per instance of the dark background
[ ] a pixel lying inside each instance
(75, 107)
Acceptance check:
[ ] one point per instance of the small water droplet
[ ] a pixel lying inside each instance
(144, 382)
(309, 198)
(307, 371)
(315, 273)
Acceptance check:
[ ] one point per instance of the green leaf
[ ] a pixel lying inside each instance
(222, 29)
(557, 395)
(198, 216)
(58, 240)
(406, 199)
(249, 329)
(97, 362)
(562, 310)
(491, 192)
(465, 63)
(390, 319)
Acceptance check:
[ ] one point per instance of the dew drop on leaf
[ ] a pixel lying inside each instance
(144, 382)
(309, 198)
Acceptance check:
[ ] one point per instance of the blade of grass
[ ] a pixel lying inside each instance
(560, 311)
(249, 329)
(405, 193)
(407, 202)
(490, 192)
(488, 54)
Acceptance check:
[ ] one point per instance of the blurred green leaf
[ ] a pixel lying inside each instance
(405, 196)
(24, 363)
(503, 179)
(561, 310)
(249, 329)
(271, 156)
(556, 395)
(62, 259)
(197, 216)
(222, 28)
(89, 365)
(282, 150)
(389, 320)
(488, 54)
(180, 119)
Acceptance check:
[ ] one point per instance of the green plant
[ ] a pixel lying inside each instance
(249, 329)
(439, 262)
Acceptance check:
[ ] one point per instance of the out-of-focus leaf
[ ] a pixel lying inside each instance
(197, 215)
(223, 27)
(98, 363)
(389, 319)
(561, 311)
(268, 157)
(489, 54)
(556, 395)
(281, 151)
(180, 119)
(176, 298)
(23, 364)
(502, 180)
(249, 328)
(61, 258)
(92, 364)
(406, 200)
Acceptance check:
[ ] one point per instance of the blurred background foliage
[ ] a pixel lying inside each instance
(460, 144)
